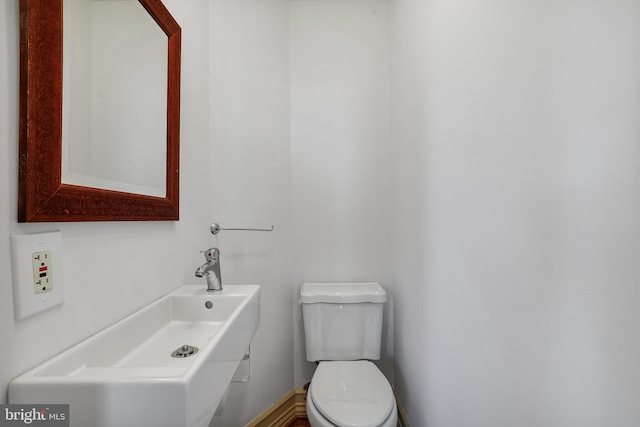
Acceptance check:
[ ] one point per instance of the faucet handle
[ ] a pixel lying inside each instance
(211, 254)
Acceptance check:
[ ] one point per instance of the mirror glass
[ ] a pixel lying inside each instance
(114, 131)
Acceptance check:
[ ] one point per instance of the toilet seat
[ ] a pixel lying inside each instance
(352, 393)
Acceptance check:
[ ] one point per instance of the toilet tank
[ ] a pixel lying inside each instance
(342, 321)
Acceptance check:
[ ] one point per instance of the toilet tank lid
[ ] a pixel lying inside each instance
(342, 293)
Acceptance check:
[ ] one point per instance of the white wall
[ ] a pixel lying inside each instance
(340, 154)
(251, 184)
(111, 269)
(517, 198)
(513, 210)
(234, 170)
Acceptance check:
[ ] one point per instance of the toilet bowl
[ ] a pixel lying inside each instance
(350, 394)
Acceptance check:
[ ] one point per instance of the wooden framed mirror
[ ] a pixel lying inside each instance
(42, 194)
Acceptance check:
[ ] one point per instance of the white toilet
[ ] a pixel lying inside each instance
(343, 329)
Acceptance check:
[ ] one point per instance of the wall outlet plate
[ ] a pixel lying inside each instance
(38, 273)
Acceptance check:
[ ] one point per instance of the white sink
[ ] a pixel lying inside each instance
(125, 375)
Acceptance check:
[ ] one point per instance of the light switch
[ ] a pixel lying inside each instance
(38, 281)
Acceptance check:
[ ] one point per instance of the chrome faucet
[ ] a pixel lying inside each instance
(210, 270)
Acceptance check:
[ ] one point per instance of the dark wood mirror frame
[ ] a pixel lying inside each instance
(42, 197)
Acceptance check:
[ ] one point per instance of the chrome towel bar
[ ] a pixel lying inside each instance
(215, 229)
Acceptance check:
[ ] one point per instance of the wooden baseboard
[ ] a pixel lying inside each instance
(402, 417)
(292, 406)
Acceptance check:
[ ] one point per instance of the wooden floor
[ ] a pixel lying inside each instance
(302, 422)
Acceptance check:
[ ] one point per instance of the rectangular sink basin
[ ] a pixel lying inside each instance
(126, 376)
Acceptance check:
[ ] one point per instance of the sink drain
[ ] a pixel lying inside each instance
(185, 351)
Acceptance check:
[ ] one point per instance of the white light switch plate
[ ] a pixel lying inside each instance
(35, 257)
